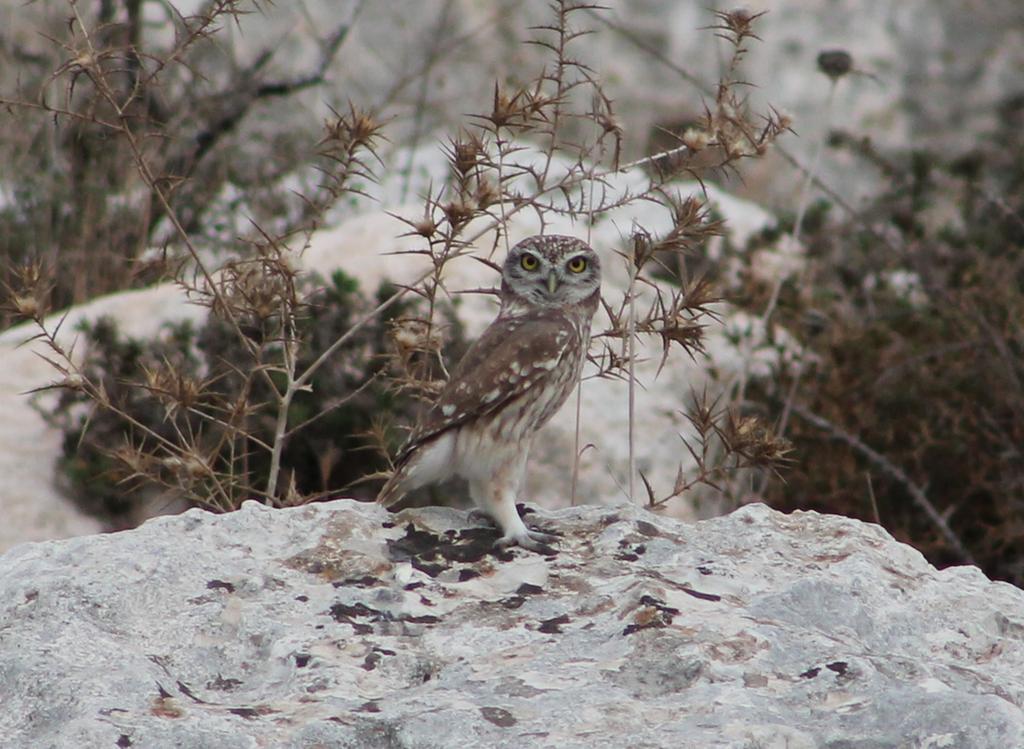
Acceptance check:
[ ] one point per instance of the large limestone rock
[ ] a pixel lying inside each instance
(338, 625)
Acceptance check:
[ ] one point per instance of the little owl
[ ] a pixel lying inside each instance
(509, 384)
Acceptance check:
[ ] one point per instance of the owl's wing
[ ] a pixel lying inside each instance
(508, 360)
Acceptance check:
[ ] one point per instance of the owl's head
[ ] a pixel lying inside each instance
(551, 271)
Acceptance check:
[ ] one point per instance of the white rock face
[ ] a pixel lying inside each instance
(337, 625)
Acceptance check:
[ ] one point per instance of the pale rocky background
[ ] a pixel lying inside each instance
(340, 625)
(931, 72)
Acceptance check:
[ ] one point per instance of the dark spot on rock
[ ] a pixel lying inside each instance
(498, 716)
(220, 585)
(366, 581)
(655, 614)
(422, 619)
(223, 685)
(426, 677)
(315, 567)
(648, 529)
(513, 602)
(640, 549)
(187, 691)
(346, 614)
(626, 557)
(244, 712)
(383, 651)
(433, 554)
(302, 660)
(371, 660)
(702, 596)
(31, 595)
(164, 694)
(340, 610)
(302, 599)
(426, 601)
(554, 626)
(838, 666)
(366, 707)
(704, 571)
(467, 574)
(414, 586)
(810, 673)
(523, 510)
(388, 524)
(428, 568)
(529, 589)
(123, 741)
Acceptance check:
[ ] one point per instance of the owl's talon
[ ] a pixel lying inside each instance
(542, 537)
(531, 540)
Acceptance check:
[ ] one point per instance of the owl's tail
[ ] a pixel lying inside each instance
(396, 486)
(427, 462)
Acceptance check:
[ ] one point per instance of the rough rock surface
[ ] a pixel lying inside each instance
(337, 625)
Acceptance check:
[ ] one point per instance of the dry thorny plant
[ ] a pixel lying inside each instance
(550, 146)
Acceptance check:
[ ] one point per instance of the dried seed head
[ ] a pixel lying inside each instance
(425, 227)
(464, 155)
(25, 305)
(696, 140)
(458, 212)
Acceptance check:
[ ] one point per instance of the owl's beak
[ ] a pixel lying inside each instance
(552, 282)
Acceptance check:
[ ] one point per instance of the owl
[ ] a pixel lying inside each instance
(511, 381)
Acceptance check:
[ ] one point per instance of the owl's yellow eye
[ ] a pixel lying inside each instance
(578, 264)
(529, 262)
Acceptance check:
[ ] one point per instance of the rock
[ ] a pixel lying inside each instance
(338, 625)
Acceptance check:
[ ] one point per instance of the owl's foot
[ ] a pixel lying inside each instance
(528, 539)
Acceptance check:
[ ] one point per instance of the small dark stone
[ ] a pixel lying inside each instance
(838, 666)
(810, 673)
(302, 660)
(554, 626)
(302, 599)
(123, 741)
(467, 574)
(220, 585)
(513, 602)
(529, 589)
(498, 716)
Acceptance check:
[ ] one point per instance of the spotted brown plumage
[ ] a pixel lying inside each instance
(512, 380)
